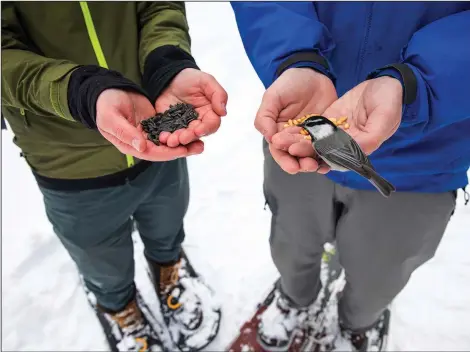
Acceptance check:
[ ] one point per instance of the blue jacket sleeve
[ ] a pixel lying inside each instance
(280, 35)
(439, 57)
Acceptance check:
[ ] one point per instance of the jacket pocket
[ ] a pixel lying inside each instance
(17, 119)
(269, 201)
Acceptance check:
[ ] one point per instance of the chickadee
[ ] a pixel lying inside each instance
(341, 152)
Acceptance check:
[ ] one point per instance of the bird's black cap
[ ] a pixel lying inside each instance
(317, 120)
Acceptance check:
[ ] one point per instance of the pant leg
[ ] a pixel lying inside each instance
(160, 216)
(95, 227)
(303, 219)
(381, 242)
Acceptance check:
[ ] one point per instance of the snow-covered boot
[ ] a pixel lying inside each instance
(188, 305)
(374, 338)
(358, 341)
(279, 322)
(135, 332)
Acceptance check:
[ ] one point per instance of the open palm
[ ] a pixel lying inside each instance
(203, 92)
(297, 92)
(118, 119)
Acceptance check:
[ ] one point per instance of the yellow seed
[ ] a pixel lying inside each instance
(295, 122)
(307, 137)
(346, 126)
(333, 120)
(342, 120)
(286, 125)
(305, 133)
(290, 123)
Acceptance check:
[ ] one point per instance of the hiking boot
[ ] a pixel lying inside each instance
(359, 341)
(374, 338)
(186, 302)
(279, 322)
(136, 334)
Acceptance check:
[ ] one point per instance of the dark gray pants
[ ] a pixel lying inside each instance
(380, 241)
(95, 226)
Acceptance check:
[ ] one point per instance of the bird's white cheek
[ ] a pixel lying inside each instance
(323, 131)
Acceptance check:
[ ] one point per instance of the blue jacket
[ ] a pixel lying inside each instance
(430, 152)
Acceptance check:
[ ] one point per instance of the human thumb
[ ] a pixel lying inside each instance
(218, 95)
(119, 127)
(267, 115)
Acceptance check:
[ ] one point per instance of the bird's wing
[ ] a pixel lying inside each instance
(341, 149)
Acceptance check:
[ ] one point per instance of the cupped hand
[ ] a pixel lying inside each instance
(297, 92)
(118, 116)
(374, 108)
(201, 90)
(374, 111)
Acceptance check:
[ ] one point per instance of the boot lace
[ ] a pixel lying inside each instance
(132, 325)
(169, 277)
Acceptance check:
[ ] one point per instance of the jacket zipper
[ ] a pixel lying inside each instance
(90, 26)
(25, 119)
(362, 55)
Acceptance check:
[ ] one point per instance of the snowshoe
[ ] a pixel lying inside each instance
(280, 322)
(132, 329)
(187, 304)
(291, 330)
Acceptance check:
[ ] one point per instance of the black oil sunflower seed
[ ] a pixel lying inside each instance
(176, 117)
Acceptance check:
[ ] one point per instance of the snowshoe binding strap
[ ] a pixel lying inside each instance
(173, 303)
(142, 341)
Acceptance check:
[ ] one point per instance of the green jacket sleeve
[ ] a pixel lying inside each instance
(31, 81)
(162, 23)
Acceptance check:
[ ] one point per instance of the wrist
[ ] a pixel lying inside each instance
(161, 66)
(308, 59)
(86, 85)
(404, 75)
(395, 84)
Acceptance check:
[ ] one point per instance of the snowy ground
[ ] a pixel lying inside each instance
(43, 308)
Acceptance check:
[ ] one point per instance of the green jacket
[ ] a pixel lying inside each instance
(43, 42)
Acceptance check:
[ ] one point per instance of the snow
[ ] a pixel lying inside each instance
(276, 324)
(44, 308)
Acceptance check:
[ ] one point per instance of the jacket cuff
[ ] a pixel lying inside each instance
(161, 66)
(405, 75)
(85, 86)
(312, 59)
(58, 88)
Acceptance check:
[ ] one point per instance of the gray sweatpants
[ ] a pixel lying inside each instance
(95, 226)
(380, 241)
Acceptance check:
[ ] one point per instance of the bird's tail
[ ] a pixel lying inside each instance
(382, 185)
